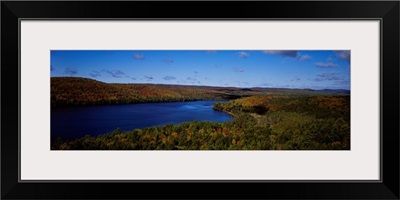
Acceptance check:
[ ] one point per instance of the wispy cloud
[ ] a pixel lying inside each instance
(70, 71)
(196, 74)
(149, 78)
(265, 84)
(168, 78)
(295, 79)
(94, 74)
(114, 73)
(344, 55)
(243, 54)
(241, 83)
(327, 76)
(168, 60)
(193, 80)
(342, 82)
(288, 53)
(238, 69)
(304, 57)
(325, 65)
(138, 56)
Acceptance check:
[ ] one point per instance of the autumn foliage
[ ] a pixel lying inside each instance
(72, 91)
(76, 91)
(263, 122)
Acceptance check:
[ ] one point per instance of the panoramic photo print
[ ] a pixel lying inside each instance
(200, 99)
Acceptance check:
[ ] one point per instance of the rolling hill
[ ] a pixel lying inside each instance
(73, 91)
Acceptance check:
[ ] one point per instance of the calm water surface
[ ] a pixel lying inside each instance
(76, 122)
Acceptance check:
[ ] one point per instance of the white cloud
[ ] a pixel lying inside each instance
(138, 56)
(325, 65)
(304, 57)
(243, 54)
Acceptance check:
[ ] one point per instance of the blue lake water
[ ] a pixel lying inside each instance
(76, 122)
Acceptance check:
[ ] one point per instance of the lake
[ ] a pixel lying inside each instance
(76, 122)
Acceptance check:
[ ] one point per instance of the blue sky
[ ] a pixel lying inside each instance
(311, 69)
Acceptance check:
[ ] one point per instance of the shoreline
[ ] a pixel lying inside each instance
(114, 104)
(229, 113)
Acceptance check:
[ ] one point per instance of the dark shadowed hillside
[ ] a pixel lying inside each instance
(83, 91)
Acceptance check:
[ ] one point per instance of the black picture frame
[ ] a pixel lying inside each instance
(386, 11)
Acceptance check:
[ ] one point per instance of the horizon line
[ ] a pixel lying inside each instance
(263, 87)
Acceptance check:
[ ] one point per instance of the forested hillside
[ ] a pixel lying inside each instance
(82, 91)
(261, 123)
(72, 91)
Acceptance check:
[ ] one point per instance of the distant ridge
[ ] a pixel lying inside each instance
(73, 91)
(338, 91)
